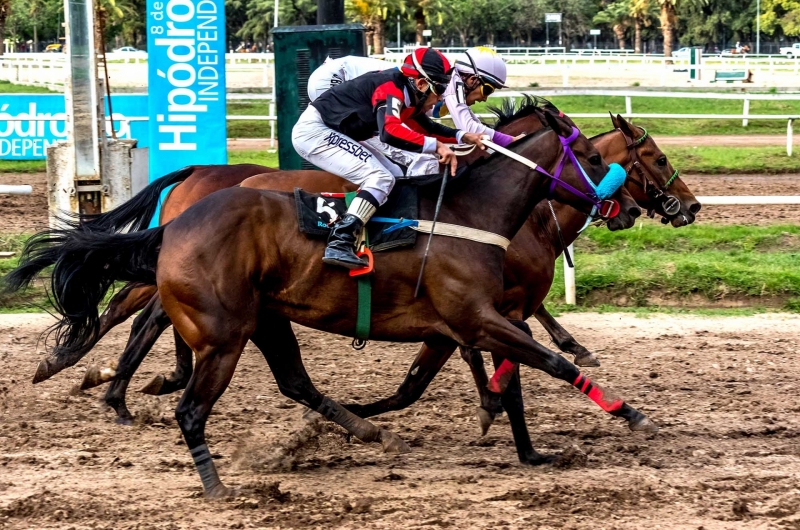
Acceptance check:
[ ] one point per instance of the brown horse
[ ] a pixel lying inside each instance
(201, 181)
(233, 268)
(524, 279)
(522, 276)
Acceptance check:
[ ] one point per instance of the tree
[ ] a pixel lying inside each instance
(781, 16)
(643, 12)
(5, 11)
(528, 16)
(260, 15)
(373, 14)
(616, 15)
(668, 19)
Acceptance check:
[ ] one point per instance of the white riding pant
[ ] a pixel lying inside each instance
(362, 163)
(321, 80)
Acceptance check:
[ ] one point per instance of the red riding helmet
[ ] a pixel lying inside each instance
(430, 65)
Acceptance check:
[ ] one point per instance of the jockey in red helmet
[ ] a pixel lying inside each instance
(392, 105)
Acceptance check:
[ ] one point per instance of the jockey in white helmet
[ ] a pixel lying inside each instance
(478, 72)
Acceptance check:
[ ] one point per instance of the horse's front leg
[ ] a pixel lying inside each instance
(565, 342)
(498, 335)
(491, 405)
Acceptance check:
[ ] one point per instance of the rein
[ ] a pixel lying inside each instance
(669, 203)
(604, 208)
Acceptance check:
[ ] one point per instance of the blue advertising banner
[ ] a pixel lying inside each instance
(24, 137)
(186, 83)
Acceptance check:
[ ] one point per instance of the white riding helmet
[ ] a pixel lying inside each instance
(490, 66)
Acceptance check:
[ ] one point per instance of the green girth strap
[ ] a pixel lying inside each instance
(364, 311)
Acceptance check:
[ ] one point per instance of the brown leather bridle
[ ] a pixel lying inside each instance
(670, 205)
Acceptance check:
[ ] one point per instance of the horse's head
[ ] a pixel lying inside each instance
(528, 117)
(652, 181)
(582, 179)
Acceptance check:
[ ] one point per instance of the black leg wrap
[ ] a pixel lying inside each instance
(205, 467)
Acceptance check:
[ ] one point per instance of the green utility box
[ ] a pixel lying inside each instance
(299, 50)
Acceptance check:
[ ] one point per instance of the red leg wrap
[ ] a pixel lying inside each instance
(501, 377)
(595, 393)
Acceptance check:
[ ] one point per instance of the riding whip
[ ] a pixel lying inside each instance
(433, 227)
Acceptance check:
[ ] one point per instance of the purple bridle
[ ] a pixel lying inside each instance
(605, 208)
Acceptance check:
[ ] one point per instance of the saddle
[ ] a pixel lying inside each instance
(316, 213)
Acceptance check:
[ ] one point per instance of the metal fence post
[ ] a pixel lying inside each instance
(789, 137)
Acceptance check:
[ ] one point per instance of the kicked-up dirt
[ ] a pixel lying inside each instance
(723, 390)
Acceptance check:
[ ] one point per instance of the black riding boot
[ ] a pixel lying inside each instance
(341, 249)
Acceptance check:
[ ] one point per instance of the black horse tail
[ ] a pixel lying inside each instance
(86, 266)
(135, 214)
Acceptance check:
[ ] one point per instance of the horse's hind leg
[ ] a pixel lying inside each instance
(565, 342)
(124, 304)
(512, 403)
(277, 342)
(147, 327)
(426, 365)
(491, 405)
(161, 385)
(215, 367)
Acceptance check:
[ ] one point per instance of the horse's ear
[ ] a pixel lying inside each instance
(624, 126)
(614, 121)
(557, 124)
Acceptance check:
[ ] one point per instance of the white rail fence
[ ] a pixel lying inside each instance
(570, 295)
(49, 68)
(22, 189)
(628, 95)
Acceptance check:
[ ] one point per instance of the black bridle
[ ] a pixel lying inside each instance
(670, 205)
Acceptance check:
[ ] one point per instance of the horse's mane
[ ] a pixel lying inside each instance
(511, 109)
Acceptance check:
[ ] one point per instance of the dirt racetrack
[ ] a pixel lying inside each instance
(723, 390)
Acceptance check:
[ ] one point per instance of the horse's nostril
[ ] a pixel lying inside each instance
(695, 207)
(634, 212)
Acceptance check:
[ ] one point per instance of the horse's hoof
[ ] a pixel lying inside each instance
(220, 491)
(393, 443)
(44, 371)
(643, 424)
(587, 360)
(155, 386)
(485, 419)
(95, 377)
(537, 459)
(127, 421)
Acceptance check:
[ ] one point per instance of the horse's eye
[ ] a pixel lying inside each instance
(595, 160)
(662, 161)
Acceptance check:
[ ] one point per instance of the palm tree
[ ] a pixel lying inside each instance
(669, 17)
(373, 14)
(616, 15)
(641, 13)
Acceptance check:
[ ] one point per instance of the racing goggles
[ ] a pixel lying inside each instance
(433, 86)
(436, 88)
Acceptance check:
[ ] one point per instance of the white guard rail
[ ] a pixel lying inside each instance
(570, 297)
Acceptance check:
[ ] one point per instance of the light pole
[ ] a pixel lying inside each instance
(399, 44)
(758, 27)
